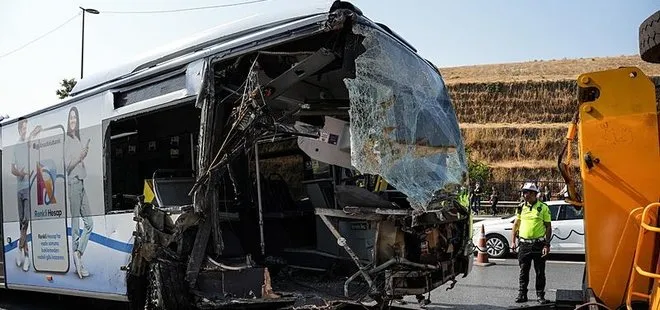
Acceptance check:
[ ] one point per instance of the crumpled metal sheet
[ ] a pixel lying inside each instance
(403, 125)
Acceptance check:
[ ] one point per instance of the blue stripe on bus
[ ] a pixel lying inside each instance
(14, 244)
(94, 237)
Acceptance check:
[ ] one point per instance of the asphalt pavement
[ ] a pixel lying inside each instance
(496, 286)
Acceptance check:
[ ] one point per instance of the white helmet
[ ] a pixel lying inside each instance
(529, 186)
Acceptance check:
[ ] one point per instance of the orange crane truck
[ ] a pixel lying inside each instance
(615, 131)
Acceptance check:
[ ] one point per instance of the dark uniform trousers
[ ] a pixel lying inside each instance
(528, 253)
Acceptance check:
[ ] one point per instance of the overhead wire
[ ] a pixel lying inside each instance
(41, 36)
(184, 9)
(129, 12)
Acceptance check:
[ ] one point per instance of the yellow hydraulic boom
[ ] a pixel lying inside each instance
(619, 147)
(616, 127)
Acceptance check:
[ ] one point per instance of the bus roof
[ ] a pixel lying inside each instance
(252, 21)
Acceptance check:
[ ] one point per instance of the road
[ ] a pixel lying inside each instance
(493, 287)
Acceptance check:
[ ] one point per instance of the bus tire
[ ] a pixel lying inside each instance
(649, 39)
(166, 288)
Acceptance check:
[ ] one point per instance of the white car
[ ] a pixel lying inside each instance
(567, 231)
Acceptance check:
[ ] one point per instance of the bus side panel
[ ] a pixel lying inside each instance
(65, 204)
(119, 228)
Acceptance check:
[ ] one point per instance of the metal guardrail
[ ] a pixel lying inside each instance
(502, 207)
(504, 204)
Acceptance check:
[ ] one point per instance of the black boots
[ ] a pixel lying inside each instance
(540, 297)
(521, 298)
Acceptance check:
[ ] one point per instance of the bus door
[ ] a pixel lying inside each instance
(48, 202)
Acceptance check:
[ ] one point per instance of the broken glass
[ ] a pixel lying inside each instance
(403, 125)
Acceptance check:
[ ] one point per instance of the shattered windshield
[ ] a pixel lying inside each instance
(403, 126)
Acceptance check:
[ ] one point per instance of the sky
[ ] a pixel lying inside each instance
(448, 33)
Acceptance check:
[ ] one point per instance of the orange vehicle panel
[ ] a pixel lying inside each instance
(619, 144)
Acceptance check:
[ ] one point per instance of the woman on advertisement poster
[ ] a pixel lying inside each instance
(76, 152)
(20, 169)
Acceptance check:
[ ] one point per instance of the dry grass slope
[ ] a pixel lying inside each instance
(506, 144)
(514, 102)
(515, 116)
(542, 70)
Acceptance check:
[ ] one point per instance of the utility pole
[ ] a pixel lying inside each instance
(82, 43)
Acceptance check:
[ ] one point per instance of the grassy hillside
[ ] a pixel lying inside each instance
(514, 102)
(542, 70)
(500, 144)
(514, 116)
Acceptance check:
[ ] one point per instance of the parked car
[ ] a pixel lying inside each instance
(567, 231)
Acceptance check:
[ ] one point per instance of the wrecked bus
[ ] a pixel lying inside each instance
(284, 160)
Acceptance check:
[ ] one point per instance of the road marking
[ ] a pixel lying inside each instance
(564, 262)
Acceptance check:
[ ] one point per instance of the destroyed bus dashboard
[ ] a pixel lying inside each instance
(291, 160)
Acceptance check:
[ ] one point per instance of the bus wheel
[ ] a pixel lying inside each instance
(166, 288)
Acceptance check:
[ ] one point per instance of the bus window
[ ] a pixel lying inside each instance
(143, 144)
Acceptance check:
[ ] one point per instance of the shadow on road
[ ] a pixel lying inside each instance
(438, 306)
(557, 257)
(23, 300)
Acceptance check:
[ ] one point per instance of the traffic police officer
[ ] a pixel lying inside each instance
(533, 230)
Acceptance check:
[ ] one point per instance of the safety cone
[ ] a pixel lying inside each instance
(482, 255)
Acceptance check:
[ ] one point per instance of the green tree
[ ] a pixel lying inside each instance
(66, 87)
(478, 171)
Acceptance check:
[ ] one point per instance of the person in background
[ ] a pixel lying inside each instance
(547, 196)
(544, 195)
(475, 198)
(563, 194)
(493, 200)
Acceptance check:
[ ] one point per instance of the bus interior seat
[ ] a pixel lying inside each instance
(354, 196)
(320, 193)
(173, 192)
